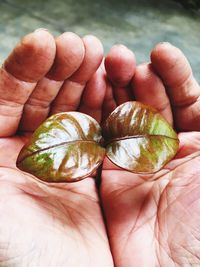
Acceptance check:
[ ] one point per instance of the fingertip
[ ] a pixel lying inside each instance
(142, 73)
(35, 38)
(70, 37)
(92, 59)
(32, 57)
(160, 51)
(95, 48)
(120, 65)
(70, 53)
(166, 58)
(163, 46)
(93, 40)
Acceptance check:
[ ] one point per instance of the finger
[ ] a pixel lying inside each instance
(120, 65)
(109, 103)
(70, 53)
(120, 68)
(69, 56)
(37, 107)
(72, 89)
(122, 95)
(32, 57)
(188, 148)
(182, 88)
(93, 95)
(149, 89)
(29, 62)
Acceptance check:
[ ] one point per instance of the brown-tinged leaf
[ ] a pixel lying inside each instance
(65, 148)
(138, 138)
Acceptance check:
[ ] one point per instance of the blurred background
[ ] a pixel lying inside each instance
(139, 24)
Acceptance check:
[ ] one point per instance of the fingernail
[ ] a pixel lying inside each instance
(119, 46)
(41, 29)
(165, 43)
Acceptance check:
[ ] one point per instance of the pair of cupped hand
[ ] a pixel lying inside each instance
(131, 220)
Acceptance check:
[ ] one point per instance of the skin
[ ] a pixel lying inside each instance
(146, 220)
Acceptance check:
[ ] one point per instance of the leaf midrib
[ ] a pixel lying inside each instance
(57, 145)
(137, 136)
(105, 144)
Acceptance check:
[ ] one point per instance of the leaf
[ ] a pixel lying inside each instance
(138, 138)
(65, 148)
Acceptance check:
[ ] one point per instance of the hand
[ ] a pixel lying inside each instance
(58, 216)
(43, 224)
(153, 220)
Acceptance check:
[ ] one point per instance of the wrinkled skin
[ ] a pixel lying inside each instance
(150, 220)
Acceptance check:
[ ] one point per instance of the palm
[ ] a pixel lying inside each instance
(44, 225)
(157, 220)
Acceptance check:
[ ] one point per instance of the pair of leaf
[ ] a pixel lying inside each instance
(66, 147)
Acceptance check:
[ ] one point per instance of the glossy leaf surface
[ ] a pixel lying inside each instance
(139, 139)
(65, 148)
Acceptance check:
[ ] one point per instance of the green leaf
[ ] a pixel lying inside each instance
(138, 138)
(65, 148)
